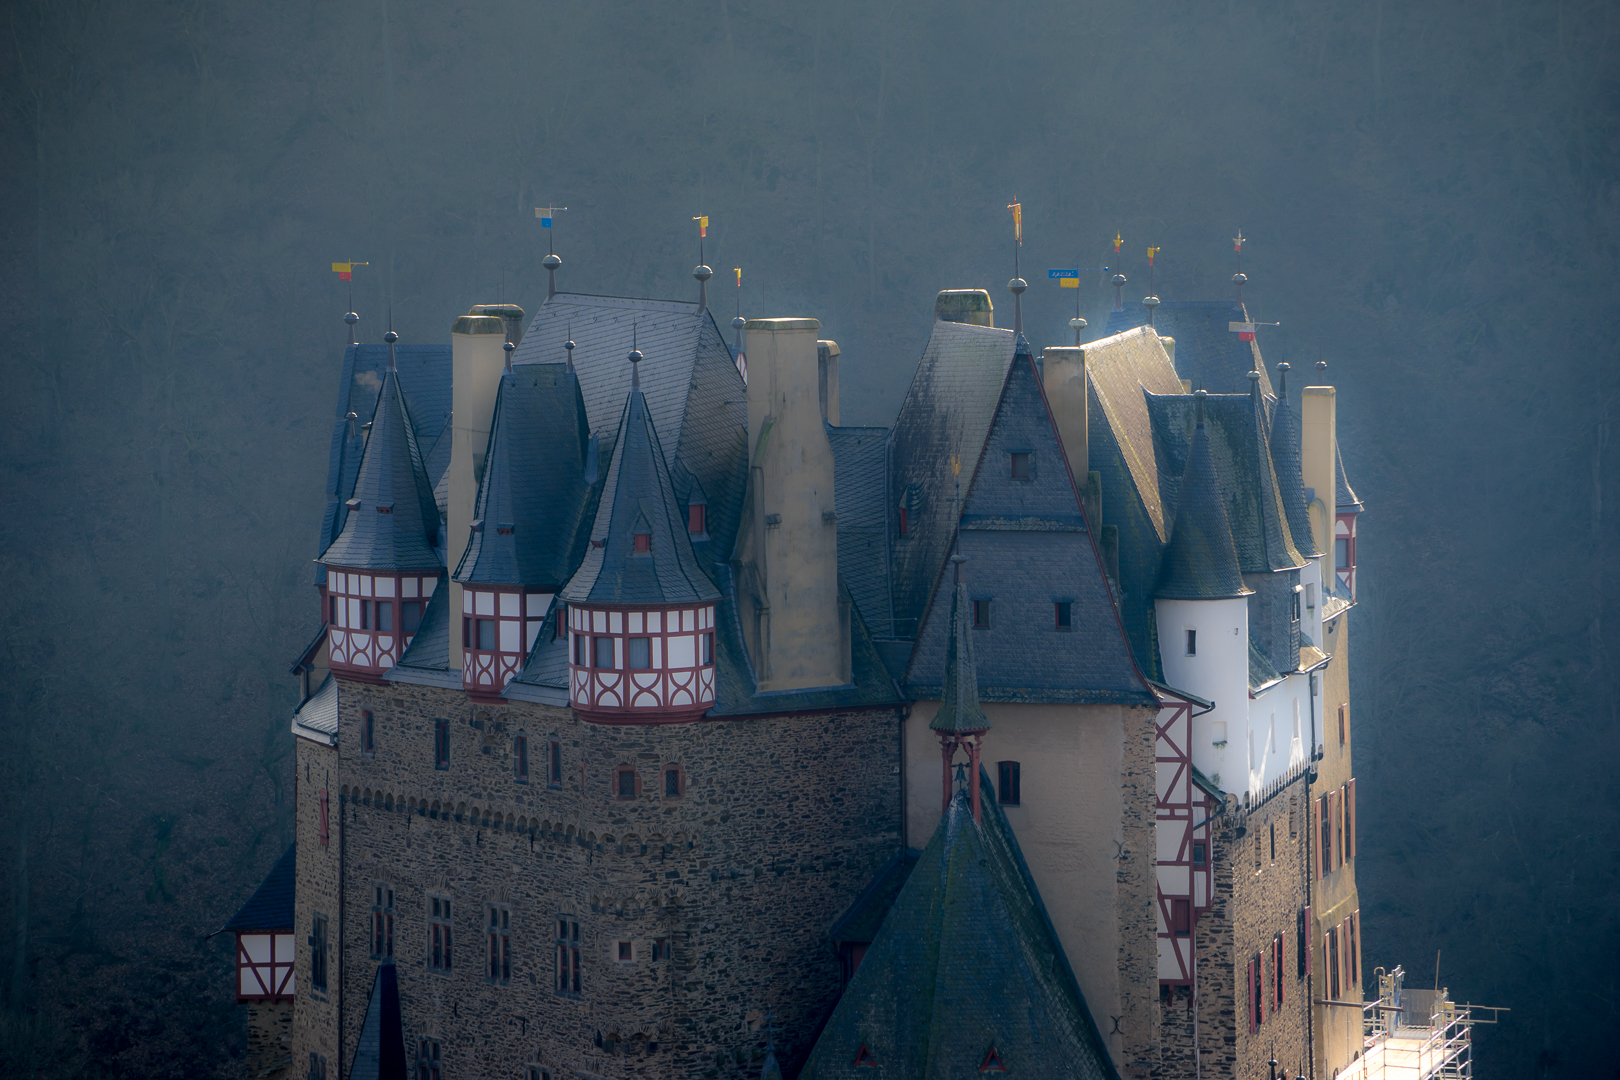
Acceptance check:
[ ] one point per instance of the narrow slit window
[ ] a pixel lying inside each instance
(368, 733)
(1063, 614)
(1192, 643)
(441, 744)
(1009, 783)
(520, 758)
(981, 614)
(554, 763)
(382, 922)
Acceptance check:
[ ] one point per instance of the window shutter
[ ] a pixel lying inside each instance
(1254, 1001)
(1350, 824)
(325, 831)
(1321, 833)
(1310, 945)
(1338, 828)
(1282, 982)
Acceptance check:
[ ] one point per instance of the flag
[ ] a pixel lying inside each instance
(343, 270)
(1069, 283)
(1064, 274)
(1152, 251)
(1117, 241)
(545, 214)
(1244, 330)
(1237, 242)
(739, 277)
(703, 225)
(1018, 220)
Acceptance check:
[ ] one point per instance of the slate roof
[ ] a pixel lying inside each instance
(860, 922)
(966, 962)
(1121, 371)
(946, 413)
(1345, 497)
(533, 504)
(959, 709)
(317, 718)
(271, 905)
(395, 525)
(426, 660)
(637, 497)
(1285, 461)
(1030, 548)
(380, 1052)
(424, 372)
(1207, 353)
(1201, 561)
(860, 494)
(1262, 674)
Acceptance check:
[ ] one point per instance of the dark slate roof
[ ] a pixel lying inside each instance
(317, 718)
(637, 497)
(424, 371)
(1200, 562)
(1030, 548)
(391, 476)
(860, 493)
(271, 905)
(959, 709)
(1207, 353)
(380, 1051)
(1346, 498)
(427, 658)
(946, 413)
(861, 921)
(1261, 672)
(1238, 441)
(1285, 461)
(533, 502)
(966, 962)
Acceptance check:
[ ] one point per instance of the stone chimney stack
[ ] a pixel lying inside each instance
(477, 359)
(964, 306)
(1317, 458)
(827, 374)
(786, 559)
(1064, 370)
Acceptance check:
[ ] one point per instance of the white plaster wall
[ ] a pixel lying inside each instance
(1310, 608)
(1068, 825)
(1219, 673)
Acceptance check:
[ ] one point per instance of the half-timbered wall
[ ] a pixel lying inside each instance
(498, 628)
(641, 665)
(1344, 552)
(264, 965)
(1183, 841)
(371, 618)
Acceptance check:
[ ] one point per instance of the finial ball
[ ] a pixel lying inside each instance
(635, 356)
(390, 337)
(351, 318)
(509, 347)
(1017, 285)
(1252, 376)
(551, 262)
(738, 323)
(1200, 394)
(1119, 279)
(702, 273)
(1150, 301)
(1077, 323)
(1240, 279)
(1283, 366)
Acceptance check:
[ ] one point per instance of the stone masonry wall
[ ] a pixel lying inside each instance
(781, 823)
(269, 1039)
(315, 1018)
(1135, 900)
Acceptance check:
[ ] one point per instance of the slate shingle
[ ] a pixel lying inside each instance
(271, 905)
(1200, 562)
(860, 495)
(1207, 352)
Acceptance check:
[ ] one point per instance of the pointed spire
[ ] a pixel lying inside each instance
(1201, 561)
(959, 709)
(1285, 461)
(351, 318)
(635, 359)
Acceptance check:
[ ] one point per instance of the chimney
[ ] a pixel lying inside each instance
(827, 374)
(1064, 370)
(510, 314)
(1318, 440)
(786, 559)
(964, 306)
(476, 362)
(1169, 344)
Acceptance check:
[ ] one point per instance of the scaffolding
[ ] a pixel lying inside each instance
(1412, 1034)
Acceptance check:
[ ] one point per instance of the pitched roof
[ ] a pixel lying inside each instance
(959, 709)
(637, 498)
(1031, 548)
(1122, 371)
(532, 505)
(271, 905)
(965, 963)
(426, 660)
(317, 718)
(860, 922)
(1285, 461)
(860, 494)
(1345, 498)
(398, 521)
(379, 1053)
(946, 413)
(1207, 351)
(1261, 672)
(1201, 562)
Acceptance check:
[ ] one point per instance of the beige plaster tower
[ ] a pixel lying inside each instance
(477, 358)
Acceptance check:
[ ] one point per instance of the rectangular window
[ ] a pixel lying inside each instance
(499, 931)
(411, 616)
(1302, 943)
(368, 733)
(660, 949)
(1333, 962)
(441, 933)
(427, 1060)
(579, 651)
(625, 783)
(1324, 817)
(672, 782)
(1192, 643)
(1295, 608)
(1180, 917)
(1336, 798)
(385, 616)
(1022, 463)
(441, 744)
(325, 829)
(1341, 553)
(695, 522)
(638, 652)
(1344, 722)
(603, 648)
(1200, 854)
(708, 649)
(1008, 783)
(1350, 819)
(331, 610)
(520, 758)
(554, 763)
(365, 614)
(905, 521)
(1352, 952)
(317, 1066)
(317, 953)
(626, 953)
(1254, 997)
(486, 634)
(1063, 614)
(382, 922)
(981, 614)
(567, 955)
(643, 542)
(1273, 841)
(1279, 995)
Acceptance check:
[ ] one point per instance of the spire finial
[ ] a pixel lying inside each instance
(1254, 382)
(509, 347)
(1321, 369)
(1119, 292)
(1282, 379)
(351, 318)
(352, 417)
(703, 274)
(1017, 285)
(569, 346)
(391, 337)
(551, 261)
(635, 357)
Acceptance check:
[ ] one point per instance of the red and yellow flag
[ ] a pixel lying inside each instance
(703, 225)
(1152, 251)
(1018, 220)
(1237, 242)
(345, 270)
(1118, 240)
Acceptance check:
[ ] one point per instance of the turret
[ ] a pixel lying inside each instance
(1286, 463)
(382, 568)
(960, 721)
(640, 610)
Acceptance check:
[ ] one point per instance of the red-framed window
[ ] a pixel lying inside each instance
(520, 758)
(1279, 990)
(1009, 783)
(265, 962)
(1350, 819)
(602, 653)
(326, 833)
(441, 744)
(660, 949)
(1180, 916)
(382, 921)
(1333, 962)
(626, 782)
(568, 975)
(697, 519)
(626, 952)
(554, 762)
(643, 542)
(992, 1062)
(498, 924)
(441, 935)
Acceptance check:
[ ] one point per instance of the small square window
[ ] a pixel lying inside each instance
(661, 949)
(626, 952)
(1192, 643)
(602, 648)
(1063, 614)
(1023, 465)
(1199, 853)
(626, 785)
(981, 614)
(638, 652)
(1008, 784)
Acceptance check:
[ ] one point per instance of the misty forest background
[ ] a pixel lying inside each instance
(1433, 195)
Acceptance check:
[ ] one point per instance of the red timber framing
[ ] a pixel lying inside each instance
(371, 618)
(1344, 552)
(631, 665)
(1184, 847)
(264, 965)
(498, 628)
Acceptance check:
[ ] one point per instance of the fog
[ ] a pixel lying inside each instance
(1431, 192)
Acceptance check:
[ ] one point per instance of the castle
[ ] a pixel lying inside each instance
(659, 724)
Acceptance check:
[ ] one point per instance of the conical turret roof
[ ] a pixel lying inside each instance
(637, 496)
(1200, 562)
(393, 521)
(959, 709)
(1285, 461)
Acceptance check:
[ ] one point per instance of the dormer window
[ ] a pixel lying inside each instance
(643, 542)
(981, 614)
(697, 519)
(1023, 465)
(904, 523)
